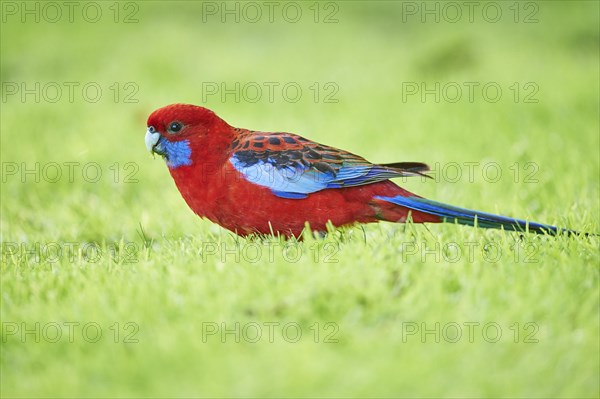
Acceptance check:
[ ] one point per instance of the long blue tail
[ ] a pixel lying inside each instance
(454, 214)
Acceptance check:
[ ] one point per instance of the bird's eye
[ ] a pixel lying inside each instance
(174, 127)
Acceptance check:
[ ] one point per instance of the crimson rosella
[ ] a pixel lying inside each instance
(256, 182)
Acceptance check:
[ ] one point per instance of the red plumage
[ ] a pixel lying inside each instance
(258, 182)
(214, 189)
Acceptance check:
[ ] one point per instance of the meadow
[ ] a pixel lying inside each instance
(112, 287)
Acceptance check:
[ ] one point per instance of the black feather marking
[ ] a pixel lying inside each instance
(415, 168)
(257, 144)
(412, 166)
(289, 140)
(294, 155)
(282, 159)
(331, 157)
(274, 141)
(311, 154)
(324, 167)
(248, 158)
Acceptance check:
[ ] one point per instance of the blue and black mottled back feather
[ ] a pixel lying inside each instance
(293, 167)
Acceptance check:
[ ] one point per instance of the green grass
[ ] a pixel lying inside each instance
(169, 279)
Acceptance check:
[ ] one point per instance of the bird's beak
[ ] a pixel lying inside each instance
(152, 140)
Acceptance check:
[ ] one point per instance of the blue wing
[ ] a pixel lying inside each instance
(293, 167)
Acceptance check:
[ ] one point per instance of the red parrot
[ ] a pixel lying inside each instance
(257, 182)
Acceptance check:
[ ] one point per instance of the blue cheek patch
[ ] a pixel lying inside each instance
(178, 153)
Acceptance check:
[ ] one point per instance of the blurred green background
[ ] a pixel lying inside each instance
(375, 78)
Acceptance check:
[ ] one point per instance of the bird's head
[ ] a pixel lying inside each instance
(178, 130)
